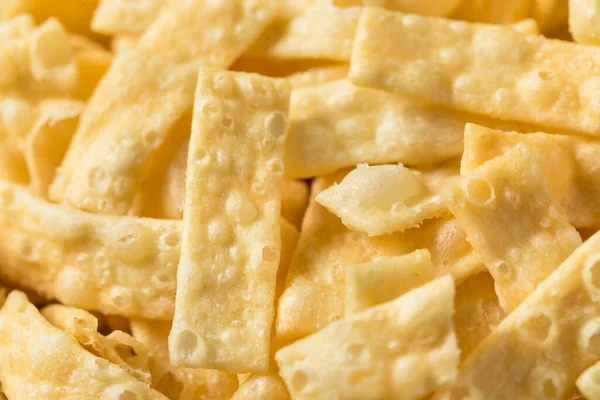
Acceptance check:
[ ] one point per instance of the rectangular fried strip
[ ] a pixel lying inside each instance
(41, 361)
(116, 265)
(337, 125)
(568, 162)
(485, 69)
(403, 349)
(213, 32)
(139, 99)
(514, 222)
(371, 284)
(543, 345)
(231, 240)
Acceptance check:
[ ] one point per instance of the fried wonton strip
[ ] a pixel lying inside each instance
(48, 141)
(371, 284)
(584, 21)
(404, 349)
(384, 199)
(41, 361)
(552, 337)
(231, 242)
(485, 69)
(139, 99)
(215, 33)
(131, 17)
(118, 347)
(322, 31)
(569, 164)
(587, 382)
(294, 200)
(478, 312)
(338, 125)
(318, 76)
(116, 265)
(437, 8)
(179, 383)
(314, 291)
(514, 222)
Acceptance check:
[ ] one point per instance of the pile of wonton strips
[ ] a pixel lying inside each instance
(326, 199)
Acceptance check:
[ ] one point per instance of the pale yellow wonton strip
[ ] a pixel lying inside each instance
(404, 349)
(139, 99)
(486, 69)
(231, 242)
(553, 336)
(513, 220)
(40, 360)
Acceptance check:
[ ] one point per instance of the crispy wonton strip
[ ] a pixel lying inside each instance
(485, 69)
(546, 343)
(231, 240)
(116, 265)
(513, 220)
(42, 361)
(338, 125)
(215, 33)
(126, 120)
(384, 199)
(569, 164)
(404, 349)
(371, 284)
